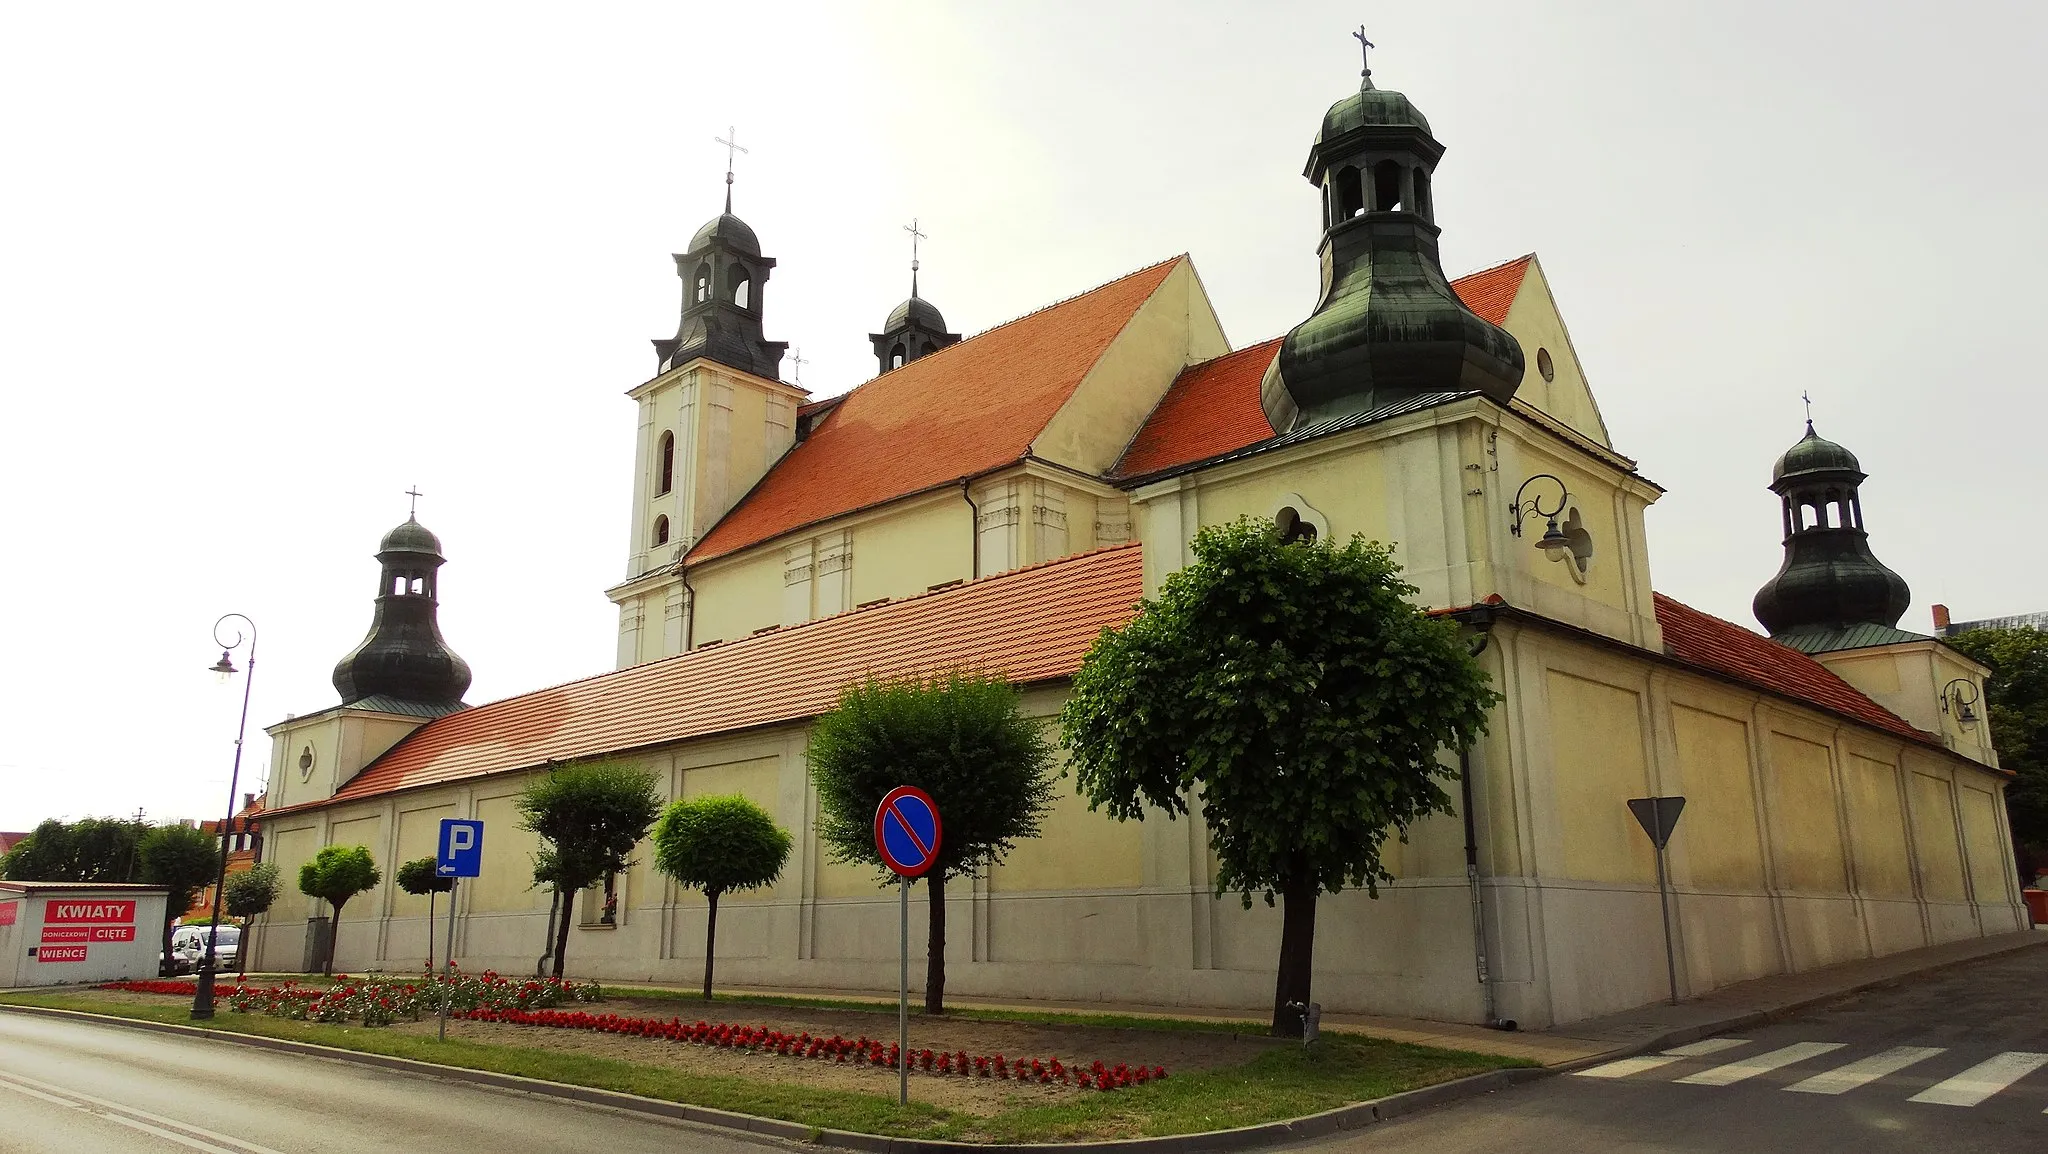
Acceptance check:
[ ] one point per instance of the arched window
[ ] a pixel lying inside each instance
(898, 355)
(702, 291)
(1350, 193)
(661, 530)
(665, 473)
(739, 287)
(1386, 186)
(1421, 204)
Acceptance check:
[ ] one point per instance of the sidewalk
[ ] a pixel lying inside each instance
(1614, 1035)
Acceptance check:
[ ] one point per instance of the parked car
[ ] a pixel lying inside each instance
(188, 948)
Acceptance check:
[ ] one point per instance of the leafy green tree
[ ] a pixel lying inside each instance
(2017, 696)
(591, 814)
(421, 877)
(94, 849)
(183, 860)
(1297, 692)
(717, 845)
(960, 738)
(250, 894)
(336, 874)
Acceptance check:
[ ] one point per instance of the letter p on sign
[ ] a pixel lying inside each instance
(461, 853)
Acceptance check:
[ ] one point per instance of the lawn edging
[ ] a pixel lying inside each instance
(1351, 1117)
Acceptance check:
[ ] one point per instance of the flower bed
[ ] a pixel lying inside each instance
(858, 1051)
(382, 1001)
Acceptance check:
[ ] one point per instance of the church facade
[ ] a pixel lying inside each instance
(995, 502)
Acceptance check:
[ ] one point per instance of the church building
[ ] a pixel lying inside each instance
(994, 502)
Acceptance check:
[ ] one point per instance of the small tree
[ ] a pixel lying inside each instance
(182, 860)
(2017, 705)
(336, 874)
(250, 894)
(961, 739)
(591, 815)
(422, 876)
(93, 849)
(1295, 689)
(719, 844)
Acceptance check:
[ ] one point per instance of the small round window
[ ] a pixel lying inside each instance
(1544, 366)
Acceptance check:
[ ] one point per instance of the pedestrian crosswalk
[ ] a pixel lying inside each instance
(1919, 1067)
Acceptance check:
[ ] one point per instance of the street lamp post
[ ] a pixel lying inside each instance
(202, 1002)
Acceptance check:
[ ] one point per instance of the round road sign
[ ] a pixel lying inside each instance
(907, 831)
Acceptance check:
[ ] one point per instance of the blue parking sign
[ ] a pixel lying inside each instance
(461, 853)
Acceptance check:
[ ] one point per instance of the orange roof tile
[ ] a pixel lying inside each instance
(1727, 648)
(1490, 292)
(1032, 624)
(1213, 408)
(968, 408)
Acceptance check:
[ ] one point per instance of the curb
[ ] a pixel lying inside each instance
(1693, 1033)
(1352, 1117)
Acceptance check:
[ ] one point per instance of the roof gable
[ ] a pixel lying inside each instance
(1213, 408)
(965, 409)
(1031, 625)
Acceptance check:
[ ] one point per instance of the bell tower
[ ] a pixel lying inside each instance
(1830, 580)
(404, 660)
(1387, 326)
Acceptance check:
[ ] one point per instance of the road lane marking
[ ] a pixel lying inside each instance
(183, 1133)
(1847, 1078)
(1982, 1080)
(1622, 1068)
(1735, 1072)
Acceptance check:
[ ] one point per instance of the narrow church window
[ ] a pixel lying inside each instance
(738, 286)
(1386, 186)
(665, 478)
(661, 530)
(703, 290)
(418, 585)
(1350, 193)
(896, 356)
(1422, 194)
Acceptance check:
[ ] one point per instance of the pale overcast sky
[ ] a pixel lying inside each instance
(263, 269)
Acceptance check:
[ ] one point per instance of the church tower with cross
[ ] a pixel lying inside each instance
(715, 416)
(915, 327)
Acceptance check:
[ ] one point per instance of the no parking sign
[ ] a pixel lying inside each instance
(907, 831)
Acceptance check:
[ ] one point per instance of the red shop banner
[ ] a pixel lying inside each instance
(89, 912)
(61, 954)
(52, 934)
(7, 912)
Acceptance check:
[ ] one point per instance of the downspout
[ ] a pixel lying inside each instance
(690, 605)
(973, 531)
(1479, 960)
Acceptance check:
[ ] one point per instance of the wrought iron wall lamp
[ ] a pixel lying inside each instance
(1553, 542)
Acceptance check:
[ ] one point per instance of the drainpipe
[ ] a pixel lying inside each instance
(1479, 960)
(973, 531)
(690, 605)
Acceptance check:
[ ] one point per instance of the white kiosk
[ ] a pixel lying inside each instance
(72, 933)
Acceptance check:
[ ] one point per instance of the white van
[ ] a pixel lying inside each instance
(188, 947)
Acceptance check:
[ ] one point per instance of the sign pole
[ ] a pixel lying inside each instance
(1658, 816)
(1664, 906)
(448, 962)
(903, 999)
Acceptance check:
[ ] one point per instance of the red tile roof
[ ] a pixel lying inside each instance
(1032, 624)
(1704, 640)
(965, 409)
(1213, 408)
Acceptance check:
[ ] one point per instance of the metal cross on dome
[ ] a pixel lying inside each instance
(915, 236)
(1364, 49)
(796, 354)
(412, 513)
(730, 140)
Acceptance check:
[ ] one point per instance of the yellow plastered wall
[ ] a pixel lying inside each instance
(1990, 865)
(367, 832)
(291, 849)
(916, 546)
(1592, 500)
(738, 595)
(1077, 850)
(419, 835)
(1934, 836)
(1807, 835)
(1597, 765)
(1718, 834)
(1535, 321)
(1877, 828)
(1348, 489)
(507, 880)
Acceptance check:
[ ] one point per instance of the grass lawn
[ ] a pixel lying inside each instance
(1283, 1082)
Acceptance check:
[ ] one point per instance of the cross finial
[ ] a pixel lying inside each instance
(796, 354)
(1808, 398)
(730, 140)
(413, 512)
(1364, 57)
(915, 236)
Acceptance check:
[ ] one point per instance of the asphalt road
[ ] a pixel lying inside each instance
(68, 1087)
(1955, 1062)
